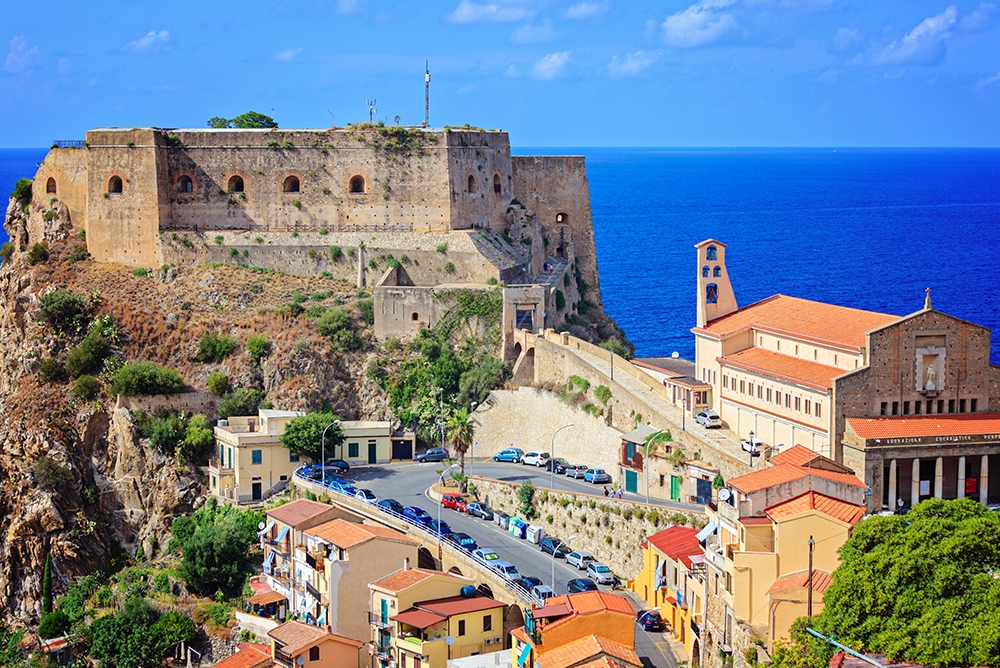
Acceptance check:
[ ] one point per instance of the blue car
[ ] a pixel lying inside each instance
(464, 541)
(392, 505)
(509, 455)
(343, 487)
(581, 585)
(417, 515)
(440, 528)
(596, 475)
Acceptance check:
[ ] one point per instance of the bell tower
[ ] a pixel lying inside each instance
(715, 293)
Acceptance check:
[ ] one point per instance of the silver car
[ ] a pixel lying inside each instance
(708, 419)
(579, 559)
(600, 573)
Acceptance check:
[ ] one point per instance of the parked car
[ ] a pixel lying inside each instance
(554, 546)
(486, 555)
(579, 559)
(480, 510)
(753, 446)
(509, 455)
(596, 475)
(541, 594)
(599, 572)
(576, 471)
(417, 515)
(522, 583)
(432, 455)
(366, 495)
(535, 458)
(532, 582)
(559, 463)
(340, 464)
(455, 502)
(393, 505)
(464, 541)
(581, 584)
(441, 527)
(505, 569)
(343, 488)
(650, 620)
(708, 419)
(517, 527)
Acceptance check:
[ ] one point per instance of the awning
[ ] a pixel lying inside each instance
(268, 559)
(524, 654)
(267, 529)
(421, 619)
(707, 531)
(267, 598)
(284, 532)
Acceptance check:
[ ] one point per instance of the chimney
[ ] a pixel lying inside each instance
(406, 563)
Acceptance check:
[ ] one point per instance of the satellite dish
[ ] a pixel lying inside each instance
(675, 354)
(724, 494)
(450, 640)
(301, 660)
(397, 120)
(261, 526)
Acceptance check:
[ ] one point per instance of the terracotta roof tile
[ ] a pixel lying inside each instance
(835, 508)
(603, 662)
(572, 654)
(969, 424)
(796, 456)
(784, 366)
(456, 605)
(825, 322)
(401, 579)
(297, 512)
(677, 542)
(252, 656)
(783, 473)
(592, 601)
(821, 582)
(297, 636)
(346, 534)
(419, 618)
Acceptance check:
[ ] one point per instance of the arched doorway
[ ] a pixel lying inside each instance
(115, 185)
(185, 184)
(291, 184)
(472, 184)
(425, 559)
(695, 654)
(485, 590)
(496, 184)
(50, 186)
(455, 570)
(236, 184)
(357, 184)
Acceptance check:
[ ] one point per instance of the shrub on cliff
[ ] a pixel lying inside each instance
(215, 347)
(54, 624)
(86, 388)
(38, 253)
(89, 357)
(135, 637)
(6, 250)
(50, 474)
(22, 192)
(240, 401)
(146, 378)
(51, 371)
(258, 346)
(218, 383)
(197, 438)
(64, 311)
(367, 309)
(337, 326)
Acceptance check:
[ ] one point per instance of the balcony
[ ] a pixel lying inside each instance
(427, 648)
(283, 659)
(376, 620)
(216, 466)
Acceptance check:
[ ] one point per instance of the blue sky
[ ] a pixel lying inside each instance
(552, 73)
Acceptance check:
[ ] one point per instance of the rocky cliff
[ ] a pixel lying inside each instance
(76, 480)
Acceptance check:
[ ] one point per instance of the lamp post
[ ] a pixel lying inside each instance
(809, 585)
(649, 612)
(751, 449)
(554, 545)
(323, 446)
(645, 459)
(612, 366)
(472, 409)
(440, 497)
(770, 447)
(552, 455)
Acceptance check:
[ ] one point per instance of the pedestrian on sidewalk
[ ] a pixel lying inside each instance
(605, 491)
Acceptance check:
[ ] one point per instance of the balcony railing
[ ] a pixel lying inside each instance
(282, 658)
(217, 465)
(375, 619)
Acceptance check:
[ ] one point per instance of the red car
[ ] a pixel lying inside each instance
(455, 502)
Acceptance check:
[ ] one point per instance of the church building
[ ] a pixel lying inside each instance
(911, 404)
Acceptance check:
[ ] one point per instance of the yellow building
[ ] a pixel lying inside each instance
(414, 611)
(336, 562)
(577, 629)
(671, 581)
(298, 645)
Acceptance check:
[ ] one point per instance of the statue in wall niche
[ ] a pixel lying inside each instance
(931, 376)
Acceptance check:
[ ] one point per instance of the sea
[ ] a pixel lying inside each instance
(859, 227)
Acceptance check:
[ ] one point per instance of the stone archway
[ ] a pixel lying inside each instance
(695, 654)
(455, 570)
(485, 590)
(426, 560)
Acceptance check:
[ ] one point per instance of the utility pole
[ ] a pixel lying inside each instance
(427, 93)
(809, 585)
(371, 109)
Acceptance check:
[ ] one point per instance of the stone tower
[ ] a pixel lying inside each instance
(715, 293)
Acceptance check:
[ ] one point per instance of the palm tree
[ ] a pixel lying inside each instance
(461, 431)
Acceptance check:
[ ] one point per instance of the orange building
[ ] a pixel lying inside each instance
(298, 645)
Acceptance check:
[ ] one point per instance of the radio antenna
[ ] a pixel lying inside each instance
(427, 93)
(331, 119)
(371, 109)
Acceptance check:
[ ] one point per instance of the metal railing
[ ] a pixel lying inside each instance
(375, 619)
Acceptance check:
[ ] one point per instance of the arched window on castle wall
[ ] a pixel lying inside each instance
(357, 184)
(472, 184)
(710, 253)
(705, 271)
(236, 184)
(718, 271)
(496, 184)
(115, 185)
(711, 293)
(562, 219)
(291, 184)
(185, 184)
(50, 186)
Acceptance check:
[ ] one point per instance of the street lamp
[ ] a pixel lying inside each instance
(440, 498)
(750, 449)
(472, 409)
(554, 546)
(552, 455)
(809, 586)
(649, 612)
(770, 447)
(323, 445)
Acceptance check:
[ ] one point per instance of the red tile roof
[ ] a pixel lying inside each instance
(796, 456)
(346, 534)
(785, 367)
(297, 636)
(419, 618)
(678, 543)
(297, 512)
(814, 320)
(457, 605)
(402, 579)
(252, 656)
(821, 582)
(835, 508)
(783, 473)
(583, 603)
(969, 424)
(571, 654)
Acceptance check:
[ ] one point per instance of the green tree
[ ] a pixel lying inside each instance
(167, 433)
(304, 435)
(51, 370)
(174, 627)
(89, 357)
(214, 347)
(240, 401)
(336, 325)
(47, 585)
(258, 346)
(461, 431)
(146, 378)
(183, 528)
(367, 309)
(64, 311)
(215, 559)
(487, 373)
(218, 383)
(251, 119)
(86, 388)
(197, 438)
(22, 192)
(11, 652)
(54, 624)
(127, 639)
(74, 602)
(218, 122)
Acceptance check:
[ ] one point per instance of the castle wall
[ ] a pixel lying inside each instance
(485, 157)
(67, 167)
(554, 185)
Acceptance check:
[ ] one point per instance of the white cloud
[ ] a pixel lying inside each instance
(633, 63)
(151, 42)
(847, 41)
(979, 18)
(983, 83)
(532, 34)
(551, 65)
(20, 56)
(64, 68)
(469, 12)
(349, 6)
(287, 55)
(924, 45)
(699, 24)
(582, 11)
(512, 71)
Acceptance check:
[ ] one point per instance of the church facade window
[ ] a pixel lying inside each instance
(710, 253)
(711, 293)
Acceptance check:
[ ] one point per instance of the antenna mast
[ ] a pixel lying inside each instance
(427, 94)
(371, 109)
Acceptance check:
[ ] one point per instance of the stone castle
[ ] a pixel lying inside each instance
(409, 211)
